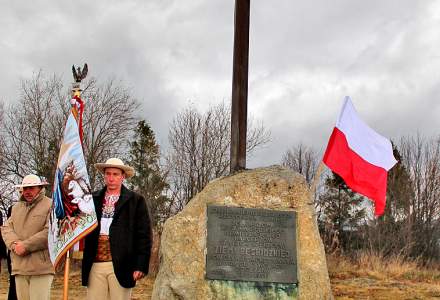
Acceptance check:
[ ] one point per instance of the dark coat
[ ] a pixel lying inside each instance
(130, 237)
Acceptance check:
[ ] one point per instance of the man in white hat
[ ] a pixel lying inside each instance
(117, 253)
(25, 234)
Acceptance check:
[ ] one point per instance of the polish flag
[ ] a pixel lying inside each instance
(361, 156)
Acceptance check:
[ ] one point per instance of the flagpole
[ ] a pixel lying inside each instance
(66, 276)
(78, 75)
(76, 91)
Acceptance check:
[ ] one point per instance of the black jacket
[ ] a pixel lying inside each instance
(130, 237)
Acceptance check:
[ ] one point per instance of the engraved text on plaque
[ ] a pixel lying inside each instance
(251, 245)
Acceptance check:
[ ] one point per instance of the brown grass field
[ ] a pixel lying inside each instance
(367, 277)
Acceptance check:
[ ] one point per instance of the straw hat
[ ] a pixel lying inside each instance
(115, 163)
(31, 180)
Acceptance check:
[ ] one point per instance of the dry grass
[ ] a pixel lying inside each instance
(371, 276)
(376, 266)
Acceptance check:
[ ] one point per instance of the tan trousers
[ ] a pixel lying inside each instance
(33, 287)
(104, 285)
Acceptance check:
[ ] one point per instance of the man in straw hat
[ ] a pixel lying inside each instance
(25, 234)
(117, 252)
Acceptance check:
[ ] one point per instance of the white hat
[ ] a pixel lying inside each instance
(115, 163)
(31, 180)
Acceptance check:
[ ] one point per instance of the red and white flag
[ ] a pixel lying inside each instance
(361, 156)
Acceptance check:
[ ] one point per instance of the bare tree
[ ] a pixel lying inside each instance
(109, 121)
(5, 199)
(422, 160)
(33, 126)
(301, 159)
(199, 150)
(2, 140)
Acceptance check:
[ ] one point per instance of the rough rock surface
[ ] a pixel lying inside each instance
(183, 244)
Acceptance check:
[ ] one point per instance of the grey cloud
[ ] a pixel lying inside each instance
(304, 58)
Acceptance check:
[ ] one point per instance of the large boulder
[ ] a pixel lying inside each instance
(183, 245)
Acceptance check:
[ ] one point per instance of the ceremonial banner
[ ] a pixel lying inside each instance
(73, 213)
(361, 156)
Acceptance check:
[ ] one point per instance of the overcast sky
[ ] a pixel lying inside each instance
(305, 56)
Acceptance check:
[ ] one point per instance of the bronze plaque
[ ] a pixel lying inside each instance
(250, 244)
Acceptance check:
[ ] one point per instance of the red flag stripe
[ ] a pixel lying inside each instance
(360, 175)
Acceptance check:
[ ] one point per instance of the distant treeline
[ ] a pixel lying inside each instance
(31, 129)
(32, 125)
(410, 226)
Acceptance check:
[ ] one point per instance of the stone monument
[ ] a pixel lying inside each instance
(268, 195)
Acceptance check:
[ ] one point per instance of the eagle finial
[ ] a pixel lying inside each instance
(79, 74)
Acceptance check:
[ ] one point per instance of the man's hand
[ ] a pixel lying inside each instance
(19, 248)
(138, 275)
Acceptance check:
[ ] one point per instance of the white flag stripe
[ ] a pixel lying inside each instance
(371, 146)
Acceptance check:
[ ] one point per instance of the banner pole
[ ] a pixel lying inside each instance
(78, 75)
(66, 276)
(76, 91)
